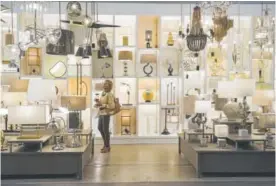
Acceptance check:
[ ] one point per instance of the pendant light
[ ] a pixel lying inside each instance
(11, 47)
(85, 50)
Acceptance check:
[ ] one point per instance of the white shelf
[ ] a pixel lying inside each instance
(169, 106)
(149, 103)
(125, 77)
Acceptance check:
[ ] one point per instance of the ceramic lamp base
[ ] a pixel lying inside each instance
(231, 111)
(243, 132)
(221, 143)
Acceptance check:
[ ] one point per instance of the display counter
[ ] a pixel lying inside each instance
(214, 161)
(45, 162)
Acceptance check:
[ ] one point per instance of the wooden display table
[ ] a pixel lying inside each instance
(214, 161)
(247, 139)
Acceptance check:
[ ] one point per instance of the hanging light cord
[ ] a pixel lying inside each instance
(12, 17)
(239, 20)
(59, 14)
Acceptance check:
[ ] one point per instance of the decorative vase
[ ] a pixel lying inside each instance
(125, 41)
(170, 41)
(148, 95)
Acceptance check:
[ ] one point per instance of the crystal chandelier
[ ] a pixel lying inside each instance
(196, 39)
(264, 30)
(220, 20)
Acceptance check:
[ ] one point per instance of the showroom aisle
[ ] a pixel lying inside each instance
(142, 165)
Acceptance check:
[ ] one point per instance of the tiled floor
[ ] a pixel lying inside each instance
(139, 165)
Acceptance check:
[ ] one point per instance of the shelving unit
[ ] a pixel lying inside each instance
(93, 69)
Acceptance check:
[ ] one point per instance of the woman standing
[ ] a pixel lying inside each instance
(105, 103)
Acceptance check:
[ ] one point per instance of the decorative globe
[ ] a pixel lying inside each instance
(74, 9)
(87, 21)
(148, 95)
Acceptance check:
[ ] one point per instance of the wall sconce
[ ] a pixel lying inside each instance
(148, 38)
(125, 56)
(58, 70)
(33, 60)
(148, 59)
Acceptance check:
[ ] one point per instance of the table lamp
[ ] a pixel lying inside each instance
(221, 132)
(227, 90)
(125, 122)
(148, 34)
(189, 105)
(125, 57)
(41, 90)
(263, 99)
(262, 57)
(149, 88)
(31, 118)
(75, 104)
(201, 108)
(244, 88)
(148, 59)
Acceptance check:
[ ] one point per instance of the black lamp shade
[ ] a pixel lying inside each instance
(104, 53)
(84, 52)
(80, 51)
(87, 51)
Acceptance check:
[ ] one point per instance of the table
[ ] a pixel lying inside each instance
(214, 161)
(13, 139)
(45, 162)
(250, 138)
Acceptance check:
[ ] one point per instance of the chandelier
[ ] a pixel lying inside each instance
(196, 39)
(264, 30)
(220, 19)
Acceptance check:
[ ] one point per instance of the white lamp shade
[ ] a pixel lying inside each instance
(29, 114)
(263, 98)
(202, 106)
(245, 87)
(3, 111)
(41, 90)
(221, 131)
(226, 89)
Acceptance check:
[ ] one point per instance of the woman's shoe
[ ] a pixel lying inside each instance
(108, 149)
(104, 150)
